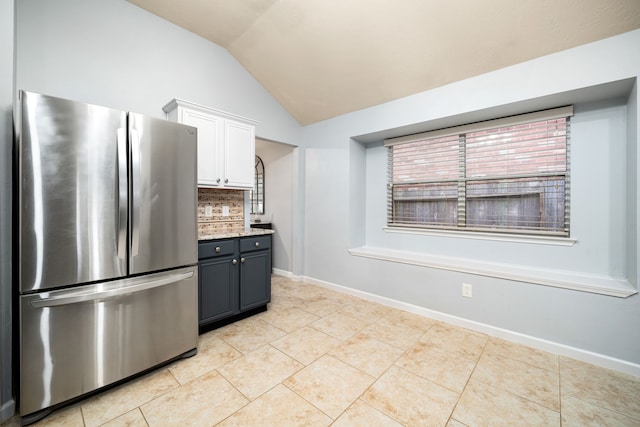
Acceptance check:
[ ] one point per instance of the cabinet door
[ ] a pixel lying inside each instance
(218, 288)
(210, 130)
(255, 279)
(239, 147)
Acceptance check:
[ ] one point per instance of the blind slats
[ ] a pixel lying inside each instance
(552, 114)
(512, 177)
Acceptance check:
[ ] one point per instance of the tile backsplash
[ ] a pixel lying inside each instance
(216, 199)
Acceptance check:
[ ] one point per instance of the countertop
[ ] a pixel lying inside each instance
(229, 235)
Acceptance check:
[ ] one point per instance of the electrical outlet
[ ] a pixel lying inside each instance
(225, 211)
(467, 290)
(208, 211)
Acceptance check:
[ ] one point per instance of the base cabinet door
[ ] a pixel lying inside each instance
(234, 276)
(218, 288)
(255, 279)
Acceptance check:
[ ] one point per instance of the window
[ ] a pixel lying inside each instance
(256, 195)
(504, 175)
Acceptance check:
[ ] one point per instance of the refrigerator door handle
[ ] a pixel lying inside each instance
(112, 293)
(122, 193)
(135, 179)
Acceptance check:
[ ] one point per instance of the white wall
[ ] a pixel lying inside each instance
(604, 134)
(278, 162)
(115, 54)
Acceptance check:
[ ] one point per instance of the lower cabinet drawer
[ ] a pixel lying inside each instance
(255, 243)
(216, 248)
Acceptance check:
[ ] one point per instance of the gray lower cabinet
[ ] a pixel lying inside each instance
(234, 277)
(255, 271)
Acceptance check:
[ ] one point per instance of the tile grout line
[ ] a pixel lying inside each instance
(517, 395)
(294, 391)
(376, 379)
(236, 389)
(327, 353)
(302, 397)
(466, 384)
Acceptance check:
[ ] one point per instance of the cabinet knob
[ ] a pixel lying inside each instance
(234, 262)
(217, 249)
(242, 259)
(218, 180)
(257, 244)
(226, 180)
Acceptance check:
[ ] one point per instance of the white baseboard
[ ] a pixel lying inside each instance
(516, 337)
(287, 274)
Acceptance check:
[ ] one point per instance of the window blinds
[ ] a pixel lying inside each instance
(507, 175)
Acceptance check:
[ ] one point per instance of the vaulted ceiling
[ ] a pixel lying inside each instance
(323, 58)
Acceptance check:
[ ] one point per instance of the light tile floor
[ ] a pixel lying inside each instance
(319, 357)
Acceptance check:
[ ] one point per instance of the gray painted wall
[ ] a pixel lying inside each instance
(604, 211)
(115, 54)
(6, 134)
(278, 161)
(633, 243)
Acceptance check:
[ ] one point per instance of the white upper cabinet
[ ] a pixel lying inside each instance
(226, 144)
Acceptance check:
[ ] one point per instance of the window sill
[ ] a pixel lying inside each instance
(592, 283)
(499, 237)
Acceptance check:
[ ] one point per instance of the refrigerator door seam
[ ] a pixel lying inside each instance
(122, 193)
(135, 181)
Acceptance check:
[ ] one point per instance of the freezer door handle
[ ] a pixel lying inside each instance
(112, 293)
(122, 194)
(135, 214)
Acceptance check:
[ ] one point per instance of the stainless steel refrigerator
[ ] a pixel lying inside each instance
(106, 247)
